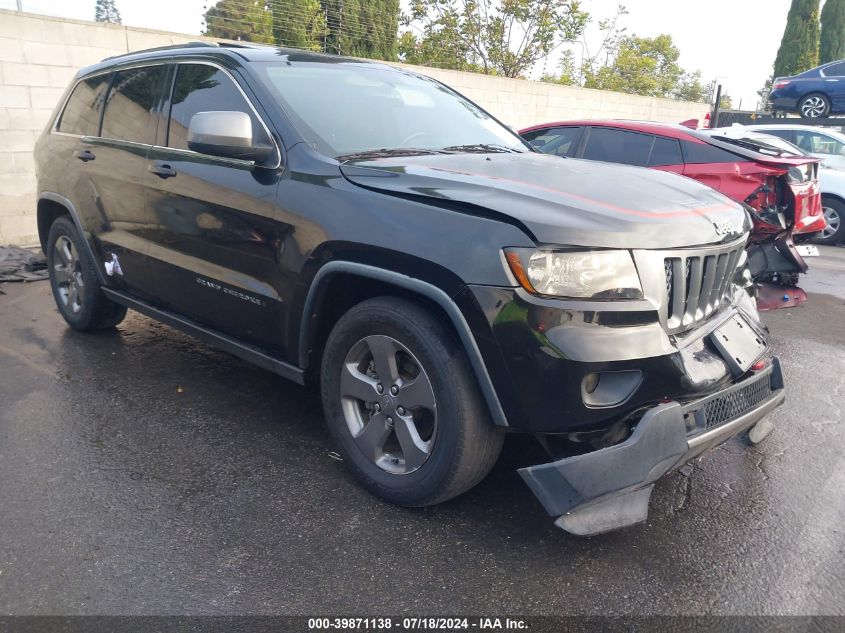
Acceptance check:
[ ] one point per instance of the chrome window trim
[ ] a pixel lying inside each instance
(188, 152)
(167, 62)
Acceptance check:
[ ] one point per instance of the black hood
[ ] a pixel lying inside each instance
(565, 201)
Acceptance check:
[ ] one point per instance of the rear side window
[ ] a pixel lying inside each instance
(815, 143)
(835, 70)
(203, 88)
(618, 146)
(561, 141)
(82, 112)
(701, 153)
(666, 151)
(131, 113)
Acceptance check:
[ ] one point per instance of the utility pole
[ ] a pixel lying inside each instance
(714, 120)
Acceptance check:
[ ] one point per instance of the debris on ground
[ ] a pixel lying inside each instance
(22, 264)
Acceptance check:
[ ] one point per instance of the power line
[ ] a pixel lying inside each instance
(293, 13)
(335, 26)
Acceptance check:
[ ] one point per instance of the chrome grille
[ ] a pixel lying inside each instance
(698, 282)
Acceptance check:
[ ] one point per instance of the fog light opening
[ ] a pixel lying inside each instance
(609, 388)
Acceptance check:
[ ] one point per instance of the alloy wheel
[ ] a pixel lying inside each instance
(67, 272)
(388, 404)
(813, 107)
(833, 221)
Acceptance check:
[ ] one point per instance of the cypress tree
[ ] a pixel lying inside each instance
(299, 24)
(799, 48)
(363, 28)
(250, 21)
(105, 11)
(832, 41)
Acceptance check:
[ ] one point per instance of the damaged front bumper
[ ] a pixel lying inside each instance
(610, 488)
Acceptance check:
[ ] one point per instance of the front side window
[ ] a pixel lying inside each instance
(82, 112)
(815, 143)
(348, 108)
(204, 88)
(618, 146)
(131, 113)
(786, 135)
(560, 141)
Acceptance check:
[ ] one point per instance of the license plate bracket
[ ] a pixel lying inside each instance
(738, 343)
(807, 250)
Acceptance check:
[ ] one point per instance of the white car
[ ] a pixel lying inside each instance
(823, 143)
(832, 183)
(831, 179)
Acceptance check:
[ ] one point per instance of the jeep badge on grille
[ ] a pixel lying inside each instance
(724, 228)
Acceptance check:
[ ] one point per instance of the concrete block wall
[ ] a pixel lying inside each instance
(39, 55)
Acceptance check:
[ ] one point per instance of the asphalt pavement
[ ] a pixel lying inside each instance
(142, 472)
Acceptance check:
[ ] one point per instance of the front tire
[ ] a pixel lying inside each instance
(403, 406)
(73, 278)
(814, 106)
(834, 213)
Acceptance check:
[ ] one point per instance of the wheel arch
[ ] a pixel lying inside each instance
(362, 281)
(834, 196)
(810, 93)
(52, 206)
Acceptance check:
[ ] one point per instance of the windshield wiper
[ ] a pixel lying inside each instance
(482, 148)
(387, 153)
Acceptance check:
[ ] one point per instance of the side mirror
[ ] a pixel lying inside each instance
(227, 134)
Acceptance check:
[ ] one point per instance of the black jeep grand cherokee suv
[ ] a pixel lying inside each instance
(357, 224)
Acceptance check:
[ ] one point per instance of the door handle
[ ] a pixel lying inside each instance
(162, 171)
(84, 155)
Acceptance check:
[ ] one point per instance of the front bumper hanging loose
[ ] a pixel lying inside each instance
(610, 488)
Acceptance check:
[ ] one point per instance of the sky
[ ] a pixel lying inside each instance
(733, 41)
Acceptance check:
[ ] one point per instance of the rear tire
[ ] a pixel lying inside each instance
(834, 213)
(73, 278)
(441, 442)
(814, 106)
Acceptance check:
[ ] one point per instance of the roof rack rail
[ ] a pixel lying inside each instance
(165, 48)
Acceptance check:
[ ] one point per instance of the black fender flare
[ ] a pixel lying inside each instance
(422, 288)
(86, 236)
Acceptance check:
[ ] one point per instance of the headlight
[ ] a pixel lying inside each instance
(577, 274)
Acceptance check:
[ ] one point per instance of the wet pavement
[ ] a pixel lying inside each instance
(143, 472)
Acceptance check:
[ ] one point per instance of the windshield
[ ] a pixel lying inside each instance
(347, 108)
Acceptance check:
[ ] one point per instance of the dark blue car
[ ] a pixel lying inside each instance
(815, 93)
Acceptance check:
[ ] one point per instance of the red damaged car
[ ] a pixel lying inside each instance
(780, 188)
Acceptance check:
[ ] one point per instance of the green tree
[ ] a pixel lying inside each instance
(246, 20)
(764, 92)
(106, 11)
(799, 48)
(832, 39)
(362, 28)
(504, 37)
(299, 24)
(646, 66)
(689, 88)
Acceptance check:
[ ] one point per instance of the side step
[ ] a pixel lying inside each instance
(226, 343)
